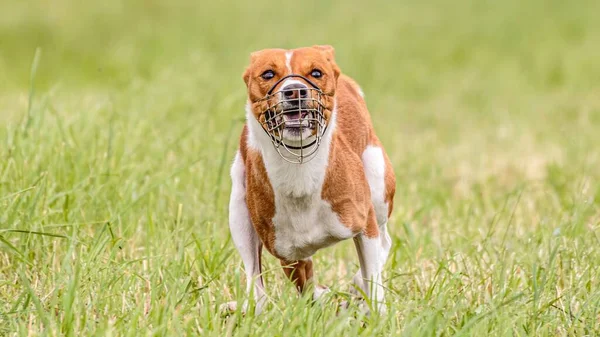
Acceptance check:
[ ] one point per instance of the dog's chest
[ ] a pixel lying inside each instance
(305, 224)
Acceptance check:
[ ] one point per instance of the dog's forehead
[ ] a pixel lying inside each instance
(307, 52)
(306, 56)
(264, 56)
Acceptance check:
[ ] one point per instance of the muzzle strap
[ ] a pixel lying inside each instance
(270, 92)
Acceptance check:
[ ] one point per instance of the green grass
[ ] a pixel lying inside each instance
(116, 141)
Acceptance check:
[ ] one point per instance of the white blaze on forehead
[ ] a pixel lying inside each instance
(288, 60)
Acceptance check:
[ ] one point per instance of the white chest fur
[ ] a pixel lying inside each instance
(303, 221)
(304, 225)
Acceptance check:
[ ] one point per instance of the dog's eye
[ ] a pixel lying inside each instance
(267, 75)
(316, 73)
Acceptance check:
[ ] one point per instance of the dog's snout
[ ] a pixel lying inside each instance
(295, 90)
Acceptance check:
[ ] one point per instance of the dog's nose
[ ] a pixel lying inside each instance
(295, 90)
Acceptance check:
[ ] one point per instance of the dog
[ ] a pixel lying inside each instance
(309, 172)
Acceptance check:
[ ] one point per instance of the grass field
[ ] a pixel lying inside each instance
(120, 120)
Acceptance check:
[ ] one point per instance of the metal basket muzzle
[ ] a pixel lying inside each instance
(305, 103)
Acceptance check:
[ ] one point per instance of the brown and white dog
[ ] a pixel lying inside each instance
(309, 172)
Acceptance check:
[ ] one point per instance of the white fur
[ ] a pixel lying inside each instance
(255, 130)
(304, 225)
(244, 236)
(374, 165)
(288, 60)
(361, 92)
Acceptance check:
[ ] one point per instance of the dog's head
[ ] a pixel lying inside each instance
(291, 94)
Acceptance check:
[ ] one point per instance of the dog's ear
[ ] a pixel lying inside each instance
(253, 57)
(330, 54)
(246, 75)
(327, 49)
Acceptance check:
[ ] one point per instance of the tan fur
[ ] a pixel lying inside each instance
(345, 186)
(299, 272)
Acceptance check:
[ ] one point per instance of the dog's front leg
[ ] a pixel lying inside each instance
(369, 255)
(245, 238)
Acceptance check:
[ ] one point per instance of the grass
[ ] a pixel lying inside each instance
(120, 121)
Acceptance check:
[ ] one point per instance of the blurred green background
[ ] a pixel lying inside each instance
(549, 43)
(116, 142)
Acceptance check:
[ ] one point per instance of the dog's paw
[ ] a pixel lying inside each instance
(229, 308)
(344, 305)
(364, 307)
(320, 291)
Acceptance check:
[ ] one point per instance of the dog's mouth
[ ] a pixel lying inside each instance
(293, 123)
(298, 118)
(294, 115)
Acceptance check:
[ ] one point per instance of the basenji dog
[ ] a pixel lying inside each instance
(309, 172)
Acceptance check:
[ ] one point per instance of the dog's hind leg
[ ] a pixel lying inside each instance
(245, 238)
